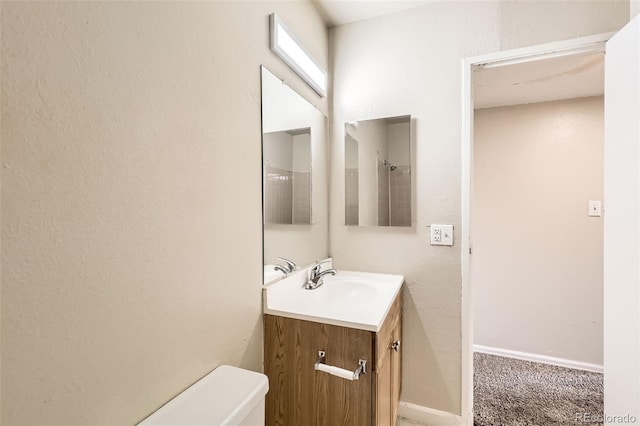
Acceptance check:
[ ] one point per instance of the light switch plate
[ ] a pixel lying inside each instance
(595, 208)
(441, 235)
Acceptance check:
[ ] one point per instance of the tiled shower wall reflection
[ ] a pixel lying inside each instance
(278, 195)
(394, 195)
(352, 205)
(383, 194)
(400, 190)
(301, 197)
(287, 196)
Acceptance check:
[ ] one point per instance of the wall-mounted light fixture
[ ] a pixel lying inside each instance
(293, 54)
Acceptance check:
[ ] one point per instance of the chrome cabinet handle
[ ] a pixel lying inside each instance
(340, 372)
(396, 345)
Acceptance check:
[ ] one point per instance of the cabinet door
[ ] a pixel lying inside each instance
(388, 380)
(396, 367)
(384, 390)
(301, 396)
(340, 401)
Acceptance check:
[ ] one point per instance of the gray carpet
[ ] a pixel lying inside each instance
(510, 392)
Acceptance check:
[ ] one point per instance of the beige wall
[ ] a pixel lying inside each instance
(277, 149)
(410, 63)
(399, 145)
(131, 232)
(537, 256)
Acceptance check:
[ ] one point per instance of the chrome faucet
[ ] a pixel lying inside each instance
(282, 269)
(290, 266)
(316, 276)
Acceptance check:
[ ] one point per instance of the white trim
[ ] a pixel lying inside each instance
(527, 54)
(543, 359)
(427, 415)
(589, 44)
(466, 296)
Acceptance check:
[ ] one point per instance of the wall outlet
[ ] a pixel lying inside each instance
(441, 235)
(595, 208)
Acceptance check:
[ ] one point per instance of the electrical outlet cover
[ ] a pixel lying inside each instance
(595, 208)
(441, 235)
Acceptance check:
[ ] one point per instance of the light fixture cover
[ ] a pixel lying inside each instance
(293, 54)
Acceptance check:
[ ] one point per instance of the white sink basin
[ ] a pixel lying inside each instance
(350, 299)
(346, 291)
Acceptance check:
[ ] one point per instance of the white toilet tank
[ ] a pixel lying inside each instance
(228, 396)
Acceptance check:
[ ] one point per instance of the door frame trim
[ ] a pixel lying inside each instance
(576, 46)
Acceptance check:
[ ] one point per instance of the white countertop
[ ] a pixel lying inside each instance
(349, 299)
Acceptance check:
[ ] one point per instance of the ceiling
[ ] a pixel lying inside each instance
(567, 77)
(339, 12)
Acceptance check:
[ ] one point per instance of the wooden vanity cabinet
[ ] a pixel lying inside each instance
(300, 395)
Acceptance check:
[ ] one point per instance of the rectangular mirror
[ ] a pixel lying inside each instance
(378, 172)
(287, 165)
(295, 179)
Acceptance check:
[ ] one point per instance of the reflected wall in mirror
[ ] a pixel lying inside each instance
(295, 182)
(287, 166)
(378, 172)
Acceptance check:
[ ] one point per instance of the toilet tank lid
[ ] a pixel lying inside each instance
(223, 397)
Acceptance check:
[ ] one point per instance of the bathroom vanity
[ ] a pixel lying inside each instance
(353, 317)
(332, 351)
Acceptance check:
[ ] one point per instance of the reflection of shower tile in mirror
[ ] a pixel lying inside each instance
(352, 205)
(383, 194)
(278, 196)
(400, 196)
(301, 197)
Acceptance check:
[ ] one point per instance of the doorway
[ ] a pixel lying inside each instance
(583, 49)
(621, 224)
(537, 263)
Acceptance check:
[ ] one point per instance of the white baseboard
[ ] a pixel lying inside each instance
(568, 363)
(430, 416)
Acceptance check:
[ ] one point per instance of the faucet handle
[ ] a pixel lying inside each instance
(318, 265)
(290, 264)
(282, 269)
